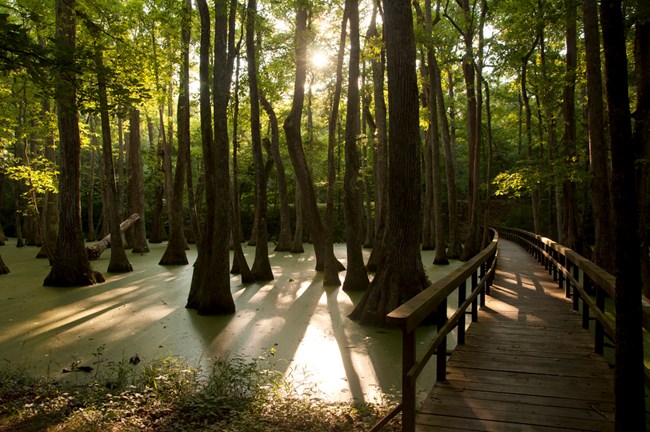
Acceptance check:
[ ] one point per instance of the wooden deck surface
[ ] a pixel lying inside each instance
(527, 364)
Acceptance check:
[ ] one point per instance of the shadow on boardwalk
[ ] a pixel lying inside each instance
(527, 364)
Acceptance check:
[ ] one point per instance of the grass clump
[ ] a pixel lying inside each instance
(236, 394)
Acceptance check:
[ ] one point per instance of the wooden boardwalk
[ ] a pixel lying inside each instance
(527, 364)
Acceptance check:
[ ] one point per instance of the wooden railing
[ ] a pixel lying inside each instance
(432, 302)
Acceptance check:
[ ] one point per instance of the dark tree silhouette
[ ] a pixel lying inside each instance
(629, 384)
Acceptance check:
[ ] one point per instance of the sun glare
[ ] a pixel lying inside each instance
(319, 59)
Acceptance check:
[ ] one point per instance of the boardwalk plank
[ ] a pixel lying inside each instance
(527, 364)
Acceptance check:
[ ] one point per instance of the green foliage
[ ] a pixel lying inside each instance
(238, 394)
(40, 175)
(18, 49)
(513, 184)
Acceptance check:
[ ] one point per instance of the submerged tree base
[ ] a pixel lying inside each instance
(386, 292)
(120, 268)
(3, 267)
(60, 277)
(174, 256)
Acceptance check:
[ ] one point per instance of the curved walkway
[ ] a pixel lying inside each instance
(526, 365)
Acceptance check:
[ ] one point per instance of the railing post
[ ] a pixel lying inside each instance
(567, 286)
(462, 295)
(576, 293)
(475, 302)
(556, 257)
(484, 269)
(562, 264)
(586, 285)
(599, 343)
(408, 384)
(441, 353)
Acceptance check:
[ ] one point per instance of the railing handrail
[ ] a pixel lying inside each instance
(411, 314)
(596, 274)
(433, 300)
(564, 263)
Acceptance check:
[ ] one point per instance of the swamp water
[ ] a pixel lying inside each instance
(143, 312)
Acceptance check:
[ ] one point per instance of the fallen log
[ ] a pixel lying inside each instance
(98, 248)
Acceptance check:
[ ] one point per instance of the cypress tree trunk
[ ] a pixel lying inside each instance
(598, 167)
(629, 383)
(331, 276)
(210, 290)
(136, 183)
(569, 138)
(642, 132)
(71, 265)
(157, 234)
(284, 237)
(401, 274)
(261, 266)
(119, 263)
(471, 246)
(454, 245)
(356, 278)
(434, 135)
(292, 130)
(176, 246)
(51, 206)
(381, 150)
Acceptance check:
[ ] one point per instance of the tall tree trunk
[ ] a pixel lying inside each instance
(569, 138)
(454, 244)
(51, 206)
(92, 235)
(381, 147)
(400, 275)
(488, 169)
(294, 142)
(19, 149)
(239, 264)
(210, 290)
(261, 266)
(551, 131)
(434, 135)
(121, 175)
(235, 197)
(119, 263)
(136, 183)
(356, 278)
(296, 245)
(534, 194)
(18, 207)
(284, 237)
(367, 154)
(598, 167)
(71, 266)
(629, 383)
(642, 132)
(157, 234)
(471, 246)
(175, 251)
(331, 276)
(428, 225)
